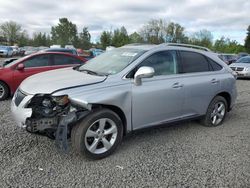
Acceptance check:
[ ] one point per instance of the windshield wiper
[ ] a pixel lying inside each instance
(92, 72)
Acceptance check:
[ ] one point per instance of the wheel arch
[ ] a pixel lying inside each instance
(227, 96)
(9, 90)
(116, 110)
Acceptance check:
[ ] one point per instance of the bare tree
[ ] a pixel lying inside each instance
(11, 31)
(159, 31)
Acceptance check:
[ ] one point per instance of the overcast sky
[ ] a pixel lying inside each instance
(229, 18)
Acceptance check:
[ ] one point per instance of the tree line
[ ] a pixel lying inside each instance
(155, 31)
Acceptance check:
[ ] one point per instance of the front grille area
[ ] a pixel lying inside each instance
(19, 96)
(237, 68)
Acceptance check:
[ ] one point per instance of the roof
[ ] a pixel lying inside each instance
(61, 49)
(140, 46)
(167, 45)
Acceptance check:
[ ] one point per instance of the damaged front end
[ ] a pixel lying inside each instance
(54, 117)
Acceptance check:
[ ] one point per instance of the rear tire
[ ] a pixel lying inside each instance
(98, 134)
(4, 91)
(216, 112)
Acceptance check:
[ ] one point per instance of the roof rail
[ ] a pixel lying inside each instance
(136, 44)
(186, 45)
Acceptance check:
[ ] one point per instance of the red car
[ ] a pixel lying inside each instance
(13, 73)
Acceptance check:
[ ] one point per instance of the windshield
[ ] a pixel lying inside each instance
(244, 60)
(112, 62)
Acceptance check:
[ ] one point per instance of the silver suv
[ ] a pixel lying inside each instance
(122, 90)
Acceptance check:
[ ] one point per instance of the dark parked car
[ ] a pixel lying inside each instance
(13, 73)
(6, 51)
(228, 58)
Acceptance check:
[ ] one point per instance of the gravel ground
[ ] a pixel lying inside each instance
(182, 155)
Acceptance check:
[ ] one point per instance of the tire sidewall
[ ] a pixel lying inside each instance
(83, 126)
(208, 121)
(6, 91)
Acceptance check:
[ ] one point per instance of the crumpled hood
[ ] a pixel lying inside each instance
(240, 65)
(50, 81)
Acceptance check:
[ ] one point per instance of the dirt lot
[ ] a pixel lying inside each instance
(183, 155)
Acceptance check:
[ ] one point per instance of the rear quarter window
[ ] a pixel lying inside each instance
(215, 66)
(194, 62)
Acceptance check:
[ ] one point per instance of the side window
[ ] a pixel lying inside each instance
(164, 62)
(65, 60)
(215, 66)
(193, 62)
(37, 61)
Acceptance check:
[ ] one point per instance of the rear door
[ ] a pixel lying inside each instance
(33, 65)
(201, 80)
(160, 98)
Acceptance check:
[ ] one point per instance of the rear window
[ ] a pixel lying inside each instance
(193, 62)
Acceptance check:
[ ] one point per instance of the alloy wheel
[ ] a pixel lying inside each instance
(101, 136)
(2, 91)
(218, 113)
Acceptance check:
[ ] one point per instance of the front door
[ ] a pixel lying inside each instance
(33, 65)
(159, 99)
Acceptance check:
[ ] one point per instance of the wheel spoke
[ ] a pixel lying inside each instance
(102, 123)
(111, 130)
(221, 108)
(106, 143)
(1, 91)
(91, 133)
(93, 146)
(214, 119)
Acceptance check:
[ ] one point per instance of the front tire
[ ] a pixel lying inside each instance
(4, 91)
(216, 112)
(98, 134)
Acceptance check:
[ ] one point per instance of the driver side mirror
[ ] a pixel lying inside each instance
(143, 72)
(20, 66)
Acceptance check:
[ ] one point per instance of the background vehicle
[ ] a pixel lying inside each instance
(15, 50)
(6, 51)
(69, 46)
(87, 54)
(64, 50)
(30, 50)
(96, 52)
(228, 58)
(55, 46)
(242, 54)
(13, 73)
(242, 67)
(122, 90)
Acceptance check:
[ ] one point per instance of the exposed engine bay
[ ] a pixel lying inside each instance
(53, 116)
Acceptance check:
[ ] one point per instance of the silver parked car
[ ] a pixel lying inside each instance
(6, 51)
(122, 90)
(242, 67)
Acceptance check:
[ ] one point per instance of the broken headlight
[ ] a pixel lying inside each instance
(61, 100)
(48, 106)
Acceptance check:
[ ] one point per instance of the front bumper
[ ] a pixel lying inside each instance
(20, 113)
(242, 74)
(3, 53)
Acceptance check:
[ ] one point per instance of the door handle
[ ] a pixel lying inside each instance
(177, 85)
(214, 81)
